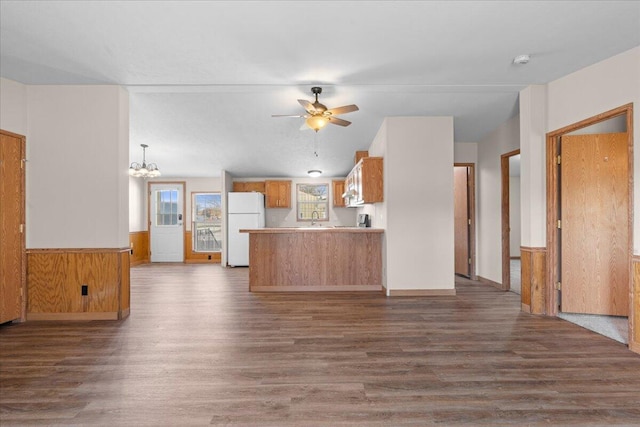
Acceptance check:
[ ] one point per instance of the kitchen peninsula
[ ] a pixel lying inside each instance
(315, 259)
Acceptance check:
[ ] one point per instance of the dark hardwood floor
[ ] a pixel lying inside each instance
(199, 349)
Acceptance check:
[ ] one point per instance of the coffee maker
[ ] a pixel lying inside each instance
(363, 220)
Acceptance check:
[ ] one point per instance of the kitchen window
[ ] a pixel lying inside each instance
(206, 214)
(313, 202)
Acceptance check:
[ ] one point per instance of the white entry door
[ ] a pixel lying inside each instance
(166, 217)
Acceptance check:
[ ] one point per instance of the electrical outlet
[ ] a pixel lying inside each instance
(85, 290)
(209, 257)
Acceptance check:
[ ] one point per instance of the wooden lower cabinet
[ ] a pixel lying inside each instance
(338, 259)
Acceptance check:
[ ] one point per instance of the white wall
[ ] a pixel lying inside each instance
(139, 201)
(593, 90)
(77, 178)
(514, 216)
(137, 205)
(417, 213)
(465, 152)
(13, 106)
(504, 139)
(545, 108)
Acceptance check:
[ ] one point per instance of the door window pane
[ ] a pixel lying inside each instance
(166, 207)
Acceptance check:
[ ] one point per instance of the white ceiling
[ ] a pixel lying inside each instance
(205, 76)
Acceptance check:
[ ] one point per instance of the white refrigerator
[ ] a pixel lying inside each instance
(245, 210)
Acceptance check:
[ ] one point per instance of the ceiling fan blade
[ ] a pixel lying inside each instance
(339, 122)
(343, 110)
(286, 115)
(307, 106)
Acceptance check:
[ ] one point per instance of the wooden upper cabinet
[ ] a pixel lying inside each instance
(365, 182)
(278, 194)
(338, 191)
(249, 186)
(360, 155)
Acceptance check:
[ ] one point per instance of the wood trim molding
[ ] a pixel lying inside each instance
(75, 250)
(492, 283)
(551, 296)
(75, 316)
(505, 218)
(421, 292)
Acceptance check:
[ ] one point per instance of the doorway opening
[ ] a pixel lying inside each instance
(589, 223)
(464, 190)
(510, 200)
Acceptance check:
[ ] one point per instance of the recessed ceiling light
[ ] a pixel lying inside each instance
(521, 59)
(314, 173)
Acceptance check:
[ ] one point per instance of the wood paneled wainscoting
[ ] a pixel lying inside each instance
(634, 306)
(533, 272)
(56, 278)
(191, 257)
(139, 244)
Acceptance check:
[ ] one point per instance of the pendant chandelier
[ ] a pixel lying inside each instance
(144, 170)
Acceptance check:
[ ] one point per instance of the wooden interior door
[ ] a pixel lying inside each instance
(11, 226)
(594, 235)
(461, 219)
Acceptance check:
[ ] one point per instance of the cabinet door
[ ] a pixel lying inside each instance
(278, 194)
(338, 191)
(11, 226)
(249, 186)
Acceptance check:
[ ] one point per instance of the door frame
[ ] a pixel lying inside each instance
(553, 183)
(471, 194)
(505, 218)
(23, 243)
(184, 214)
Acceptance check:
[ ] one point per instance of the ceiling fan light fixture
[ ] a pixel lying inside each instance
(317, 122)
(314, 173)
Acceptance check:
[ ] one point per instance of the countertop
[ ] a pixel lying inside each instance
(313, 230)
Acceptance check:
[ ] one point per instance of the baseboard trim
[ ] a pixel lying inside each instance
(421, 292)
(345, 288)
(525, 307)
(124, 313)
(491, 282)
(201, 261)
(107, 315)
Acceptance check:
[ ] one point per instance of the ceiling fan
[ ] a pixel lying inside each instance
(318, 115)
